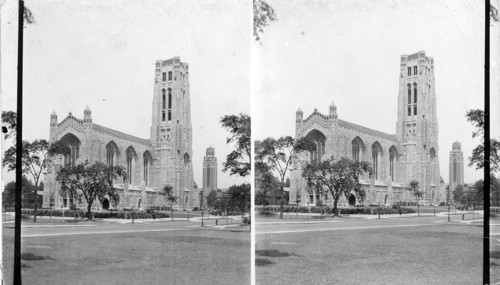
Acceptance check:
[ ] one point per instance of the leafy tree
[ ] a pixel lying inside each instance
(239, 196)
(168, 192)
(9, 192)
(458, 194)
(495, 190)
(279, 155)
(360, 194)
(338, 177)
(414, 189)
(263, 15)
(239, 160)
(211, 198)
(114, 198)
(9, 124)
(91, 181)
(493, 14)
(476, 117)
(265, 183)
(37, 155)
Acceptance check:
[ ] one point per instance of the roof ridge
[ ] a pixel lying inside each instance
(122, 134)
(392, 136)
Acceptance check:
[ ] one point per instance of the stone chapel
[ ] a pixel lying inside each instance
(164, 158)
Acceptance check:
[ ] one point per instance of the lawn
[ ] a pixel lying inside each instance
(444, 254)
(179, 257)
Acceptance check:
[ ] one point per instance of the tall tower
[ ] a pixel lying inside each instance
(171, 131)
(456, 167)
(417, 124)
(209, 171)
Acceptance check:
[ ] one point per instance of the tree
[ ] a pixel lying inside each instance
(239, 196)
(211, 198)
(360, 194)
(413, 187)
(476, 117)
(239, 160)
(263, 15)
(37, 155)
(279, 155)
(91, 181)
(265, 182)
(8, 194)
(337, 177)
(495, 190)
(114, 198)
(9, 124)
(168, 192)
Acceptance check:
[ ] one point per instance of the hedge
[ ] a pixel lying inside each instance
(343, 211)
(100, 215)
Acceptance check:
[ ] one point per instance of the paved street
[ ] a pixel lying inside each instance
(178, 252)
(399, 250)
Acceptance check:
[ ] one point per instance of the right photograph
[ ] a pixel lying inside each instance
(368, 142)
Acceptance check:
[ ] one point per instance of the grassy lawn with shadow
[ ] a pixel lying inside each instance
(444, 254)
(177, 257)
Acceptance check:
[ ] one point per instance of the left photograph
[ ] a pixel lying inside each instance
(136, 142)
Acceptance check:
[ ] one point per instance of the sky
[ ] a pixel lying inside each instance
(102, 54)
(349, 52)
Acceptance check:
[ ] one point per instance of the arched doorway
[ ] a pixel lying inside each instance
(352, 200)
(105, 204)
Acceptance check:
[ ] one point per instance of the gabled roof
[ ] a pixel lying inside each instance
(121, 135)
(369, 131)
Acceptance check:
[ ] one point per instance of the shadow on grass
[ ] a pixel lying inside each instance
(31, 257)
(274, 253)
(262, 262)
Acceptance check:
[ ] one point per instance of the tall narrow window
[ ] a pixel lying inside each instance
(163, 99)
(376, 158)
(409, 94)
(409, 71)
(169, 115)
(415, 93)
(164, 75)
(409, 111)
(170, 76)
(169, 98)
(415, 70)
(415, 110)
(131, 158)
(393, 154)
(147, 162)
(163, 116)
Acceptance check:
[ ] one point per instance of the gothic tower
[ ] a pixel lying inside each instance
(171, 131)
(209, 171)
(456, 167)
(417, 124)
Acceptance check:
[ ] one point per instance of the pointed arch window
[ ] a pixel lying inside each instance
(319, 140)
(111, 153)
(357, 149)
(376, 159)
(147, 164)
(393, 157)
(74, 145)
(131, 160)
(163, 99)
(414, 99)
(169, 111)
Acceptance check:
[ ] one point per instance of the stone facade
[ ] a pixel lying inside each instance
(165, 158)
(456, 168)
(410, 154)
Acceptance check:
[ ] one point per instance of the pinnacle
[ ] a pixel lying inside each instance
(332, 104)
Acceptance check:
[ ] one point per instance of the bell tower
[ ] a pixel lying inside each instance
(417, 124)
(171, 131)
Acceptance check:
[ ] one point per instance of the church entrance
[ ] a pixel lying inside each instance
(352, 200)
(105, 204)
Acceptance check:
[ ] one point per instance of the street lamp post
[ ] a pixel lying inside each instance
(448, 212)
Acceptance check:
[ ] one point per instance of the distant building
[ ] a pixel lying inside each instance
(456, 168)
(209, 171)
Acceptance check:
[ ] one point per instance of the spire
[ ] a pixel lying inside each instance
(333, 104)
(333, 110)
(299, 110)
(54, 113)
(87, 108)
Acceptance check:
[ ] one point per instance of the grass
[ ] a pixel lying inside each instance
(181, 257)
(448, 254)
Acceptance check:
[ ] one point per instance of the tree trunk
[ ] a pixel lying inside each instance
(418, 208)
(35, 208)
(89, 211)
(282, 203)
(335, 209)
(171, 212)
